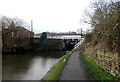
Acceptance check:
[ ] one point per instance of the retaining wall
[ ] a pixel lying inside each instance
(109, 61)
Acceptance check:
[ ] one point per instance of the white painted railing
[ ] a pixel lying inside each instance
(66, 37)
(63, 37)
(79, 43)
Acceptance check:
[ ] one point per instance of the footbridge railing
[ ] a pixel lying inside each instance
(79, 43)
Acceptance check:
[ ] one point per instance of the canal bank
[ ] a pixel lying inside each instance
(56, 70)
(77, 66)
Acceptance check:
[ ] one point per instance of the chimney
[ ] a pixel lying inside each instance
(32, 25)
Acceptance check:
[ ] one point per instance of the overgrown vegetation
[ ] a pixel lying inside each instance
(106, 26)
(105, 36)
(57, 69)
(95, 71)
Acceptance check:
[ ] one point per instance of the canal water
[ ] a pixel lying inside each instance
(29, 66)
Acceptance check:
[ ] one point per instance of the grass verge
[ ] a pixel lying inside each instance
(95, 71)
(57, 69)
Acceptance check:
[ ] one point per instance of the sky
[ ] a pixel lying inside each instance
(47, 15)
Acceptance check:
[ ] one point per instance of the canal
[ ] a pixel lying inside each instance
(29, 66)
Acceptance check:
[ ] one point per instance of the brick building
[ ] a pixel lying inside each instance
(16, 38)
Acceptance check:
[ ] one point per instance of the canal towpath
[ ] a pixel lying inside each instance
(74, 69)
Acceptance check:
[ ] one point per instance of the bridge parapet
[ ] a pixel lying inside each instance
(78, 37)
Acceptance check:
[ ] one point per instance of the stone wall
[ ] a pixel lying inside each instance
(107, 60)
(47, 44)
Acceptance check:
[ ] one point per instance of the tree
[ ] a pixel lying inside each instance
(44, 35)
(80, 31)
(105, 21)
(7, 21)
(11, 23)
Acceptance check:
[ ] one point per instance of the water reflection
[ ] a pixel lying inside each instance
(29, 66)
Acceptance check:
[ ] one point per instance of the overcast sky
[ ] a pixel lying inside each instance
(47, 15)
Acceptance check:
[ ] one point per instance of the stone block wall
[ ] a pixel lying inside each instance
(107, 60)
